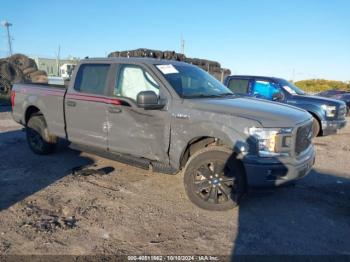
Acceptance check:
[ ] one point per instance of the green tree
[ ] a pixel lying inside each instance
(319, 85)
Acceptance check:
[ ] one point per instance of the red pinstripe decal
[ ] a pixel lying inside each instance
(93, 99)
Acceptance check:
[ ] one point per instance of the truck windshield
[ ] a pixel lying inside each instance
(192, 82)
(291, 88)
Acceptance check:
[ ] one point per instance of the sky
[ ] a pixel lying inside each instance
(293, 39)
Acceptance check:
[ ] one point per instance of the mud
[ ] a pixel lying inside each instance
(49, 206)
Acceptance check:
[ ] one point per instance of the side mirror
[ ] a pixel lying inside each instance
(279, 96)
(149, 100)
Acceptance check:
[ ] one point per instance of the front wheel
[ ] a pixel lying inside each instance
(214, 179)
(315, 127)
(38, 137)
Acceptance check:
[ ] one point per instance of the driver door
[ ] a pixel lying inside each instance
(134, 130)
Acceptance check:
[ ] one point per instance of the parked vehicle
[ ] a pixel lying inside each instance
(331, 93)
(171, 116)
(66, 70)
(346, 99)
(340, 95)
(328, 114)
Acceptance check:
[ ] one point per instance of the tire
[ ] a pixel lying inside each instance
(38, 137)
(37, 73)
(5, 86)
(5, 71)
(316, 128)
(40, 79)
(214, 179)
(22, 61)
(17, 75)
(10, 72)
(28, 71)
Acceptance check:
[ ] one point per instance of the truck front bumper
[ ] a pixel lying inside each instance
(332, 126)
(277, 171)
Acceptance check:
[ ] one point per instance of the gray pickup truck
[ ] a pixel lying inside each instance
(170, 116)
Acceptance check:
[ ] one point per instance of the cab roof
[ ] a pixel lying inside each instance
(141, 60)
(256, 77)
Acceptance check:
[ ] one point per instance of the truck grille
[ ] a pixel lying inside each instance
(304, 138)
(342, 112)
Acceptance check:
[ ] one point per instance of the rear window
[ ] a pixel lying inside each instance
(92, 79)
(239, 86)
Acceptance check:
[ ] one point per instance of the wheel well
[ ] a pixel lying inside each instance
(30, 111)
(202, 142)
(196, 144)
(318, 120)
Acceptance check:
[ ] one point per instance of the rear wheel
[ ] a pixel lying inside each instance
(38, 137)
(315, 127)
(214, 179)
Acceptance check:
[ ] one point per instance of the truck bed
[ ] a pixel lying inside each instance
(46, 85)
(50, 100)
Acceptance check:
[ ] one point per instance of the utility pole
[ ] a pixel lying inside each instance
(9, 40)
(58, 60)
(182, 43)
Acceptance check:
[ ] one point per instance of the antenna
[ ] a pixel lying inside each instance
(9, 40)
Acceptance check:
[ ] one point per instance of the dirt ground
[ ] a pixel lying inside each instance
(46, 209)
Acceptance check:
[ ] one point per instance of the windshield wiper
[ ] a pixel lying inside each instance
(226, 94)
(209, 96)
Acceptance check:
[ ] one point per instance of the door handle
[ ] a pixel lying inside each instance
(71, 103)
(114, 110)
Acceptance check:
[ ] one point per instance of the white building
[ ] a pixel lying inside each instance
(52, 66)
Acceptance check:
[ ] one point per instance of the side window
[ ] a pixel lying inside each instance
(92, 79)
(265, 89)
(132, 80)
(239, 86)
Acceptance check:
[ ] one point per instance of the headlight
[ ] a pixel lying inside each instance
(272, 141)
(330, 110)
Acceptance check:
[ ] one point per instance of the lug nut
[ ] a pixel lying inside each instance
(209, 182)
(216, 175)
(220, 179)
(211, 176)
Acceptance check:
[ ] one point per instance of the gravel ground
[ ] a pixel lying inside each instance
(45, 208)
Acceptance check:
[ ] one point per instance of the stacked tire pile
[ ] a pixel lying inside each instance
(19, 68)
(212, 67)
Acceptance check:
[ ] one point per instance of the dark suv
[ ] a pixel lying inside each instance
(339, 95)
(329, 114)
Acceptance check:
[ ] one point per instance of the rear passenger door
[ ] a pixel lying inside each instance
(86, 106)
(239, 86)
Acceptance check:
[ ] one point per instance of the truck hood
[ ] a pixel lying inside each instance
(318, 99)
(268, 114)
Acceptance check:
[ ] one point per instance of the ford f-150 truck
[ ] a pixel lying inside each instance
(329, 114)
(170, 116)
